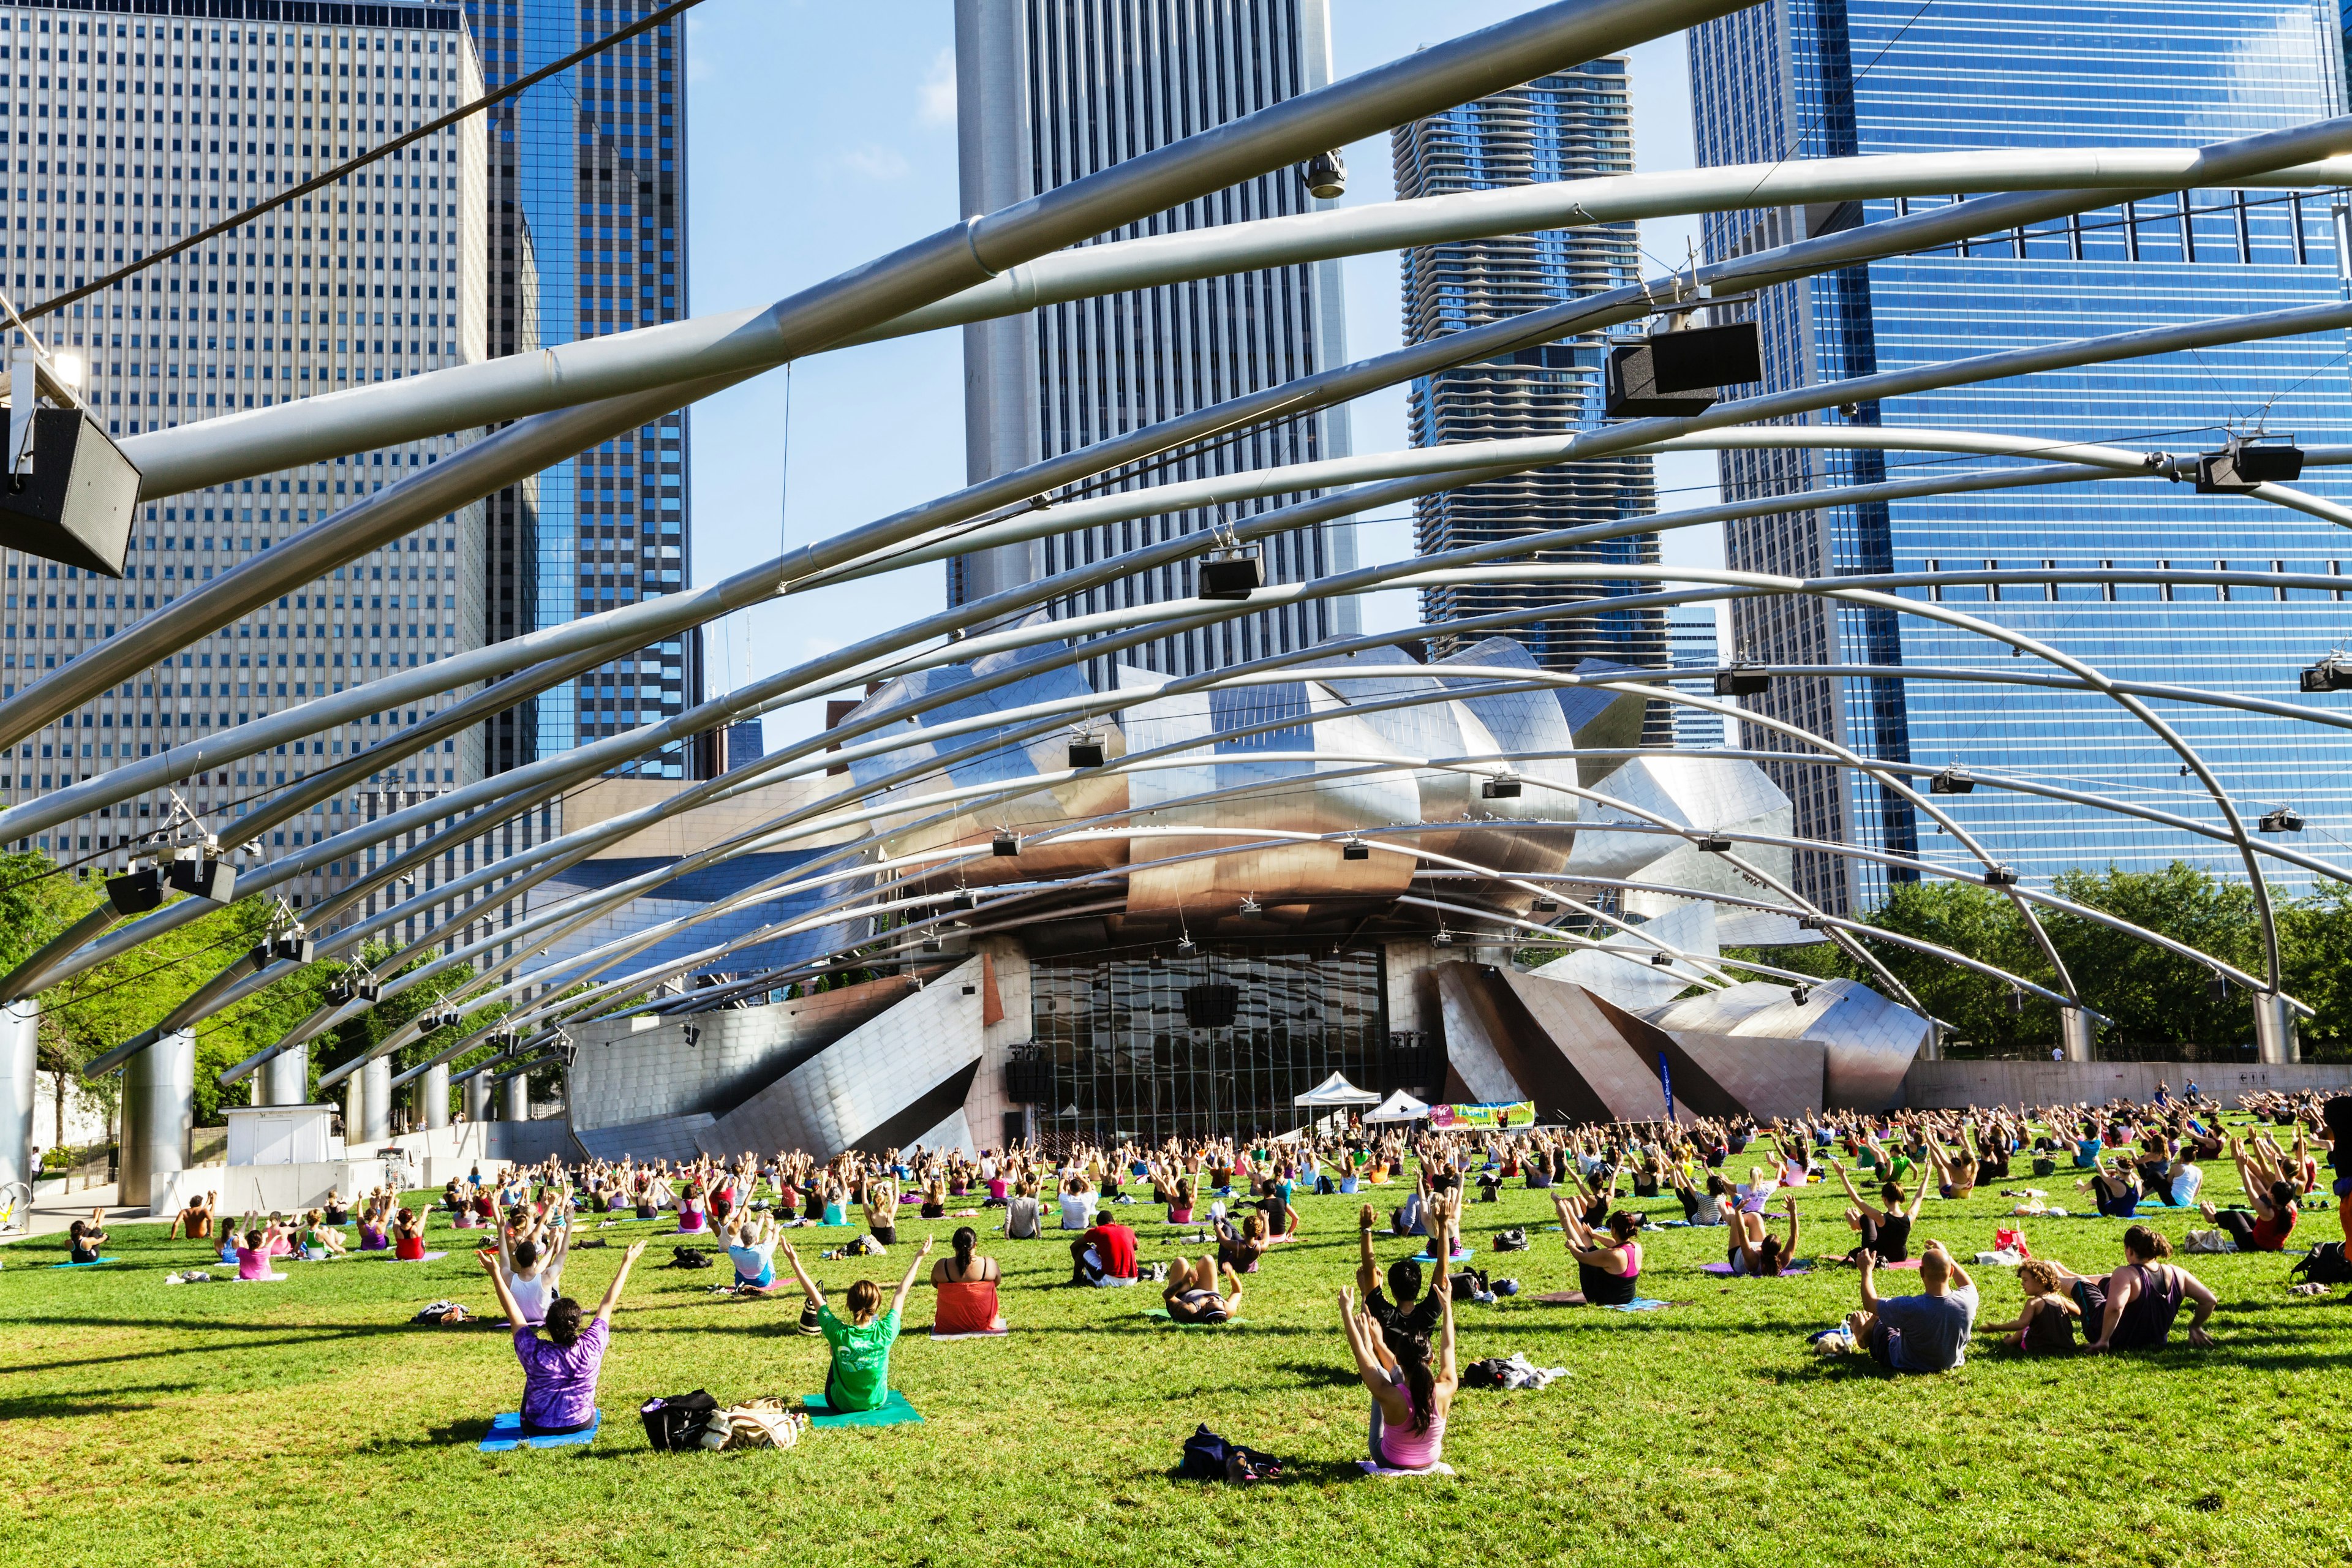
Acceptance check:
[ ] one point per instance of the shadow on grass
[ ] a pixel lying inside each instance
(82, 1403)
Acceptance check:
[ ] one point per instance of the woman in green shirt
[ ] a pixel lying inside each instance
(859, 1378)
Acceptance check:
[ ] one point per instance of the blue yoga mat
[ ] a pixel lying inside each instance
(1463, 1255)
(1639, 1304)
(892, 1412)
(506, 1432)
(93, 1263)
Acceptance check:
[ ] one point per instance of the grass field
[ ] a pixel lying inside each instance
(307, 1422)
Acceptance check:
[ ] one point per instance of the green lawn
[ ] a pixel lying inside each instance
(308, 1422)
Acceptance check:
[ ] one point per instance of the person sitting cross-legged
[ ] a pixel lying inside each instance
(560, 1372)
(859, 1376)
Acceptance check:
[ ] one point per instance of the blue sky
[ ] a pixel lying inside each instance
(819, 138)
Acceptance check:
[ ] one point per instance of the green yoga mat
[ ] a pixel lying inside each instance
(1162, 1315)
(892, 1412)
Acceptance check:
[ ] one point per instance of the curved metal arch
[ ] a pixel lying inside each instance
(1948, 574)
(338, 539)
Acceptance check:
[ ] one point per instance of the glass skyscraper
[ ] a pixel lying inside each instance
(1568, 126)
(1807, 79)
(588, 227)
(373, 279)
(1692, 640)
(1052, 90)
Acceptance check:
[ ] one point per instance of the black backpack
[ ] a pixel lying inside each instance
(673, 1423)
(1512, 1240)
(2327, 1265)
(688, 1258)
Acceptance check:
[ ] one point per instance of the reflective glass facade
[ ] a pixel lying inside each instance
(141, 129)
(588, 236)
(1050, 91)
(1118, 1050)
(1821, 77)
(1572, 125)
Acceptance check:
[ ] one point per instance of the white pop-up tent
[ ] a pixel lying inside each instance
(1336, 1093)
(1398, 1107)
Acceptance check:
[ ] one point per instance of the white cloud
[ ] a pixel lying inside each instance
(876, 162)
(935, 96)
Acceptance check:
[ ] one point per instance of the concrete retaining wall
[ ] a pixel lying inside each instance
(1930, 1085)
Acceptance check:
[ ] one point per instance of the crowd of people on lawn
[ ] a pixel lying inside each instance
(1737, 1177)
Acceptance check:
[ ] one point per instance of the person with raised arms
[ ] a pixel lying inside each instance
(1607, 1266)
(559, 1373)
(1927, 1333)
(858, 1377)
(1411, 1386)
(1885, 1232)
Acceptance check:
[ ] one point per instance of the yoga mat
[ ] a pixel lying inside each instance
(93, 1263)
(259, 1279)
(506, 1432)
(1906, 1263)
(975, 1334)
(894, 1411)
(1369, 1468)
(1786, 1271)
(1461, 1254)
(1639, 1304)
(1160, 1314)
(427, 1259)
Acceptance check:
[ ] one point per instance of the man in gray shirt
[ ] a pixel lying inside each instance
(1927, 1333)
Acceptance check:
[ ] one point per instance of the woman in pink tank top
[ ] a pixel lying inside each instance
(1411, 1386)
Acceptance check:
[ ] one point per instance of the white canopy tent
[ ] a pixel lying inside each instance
(1398, 1107)
(1336, 1093)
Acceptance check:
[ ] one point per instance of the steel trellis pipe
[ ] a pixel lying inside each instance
(1556, 35)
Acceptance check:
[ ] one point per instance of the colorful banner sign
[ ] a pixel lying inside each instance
(1493, 1113)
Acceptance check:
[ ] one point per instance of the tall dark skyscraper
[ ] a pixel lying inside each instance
(588, 223)
(1049, 92)
(1840, 78)
(1572, 125)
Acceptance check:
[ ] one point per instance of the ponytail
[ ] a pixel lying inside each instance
(964, 1242)
(1420, 1384)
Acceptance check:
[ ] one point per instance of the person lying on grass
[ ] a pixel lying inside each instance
(560, 1372)
(1411, 1386)
(1885, 1232)
(1752, 1248)
(1608, 1263)
(1927, 1333)
(2134, 1308)
(859, 1376)
(1191, 1294)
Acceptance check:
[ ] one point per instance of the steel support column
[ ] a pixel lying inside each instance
(159, 1111)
